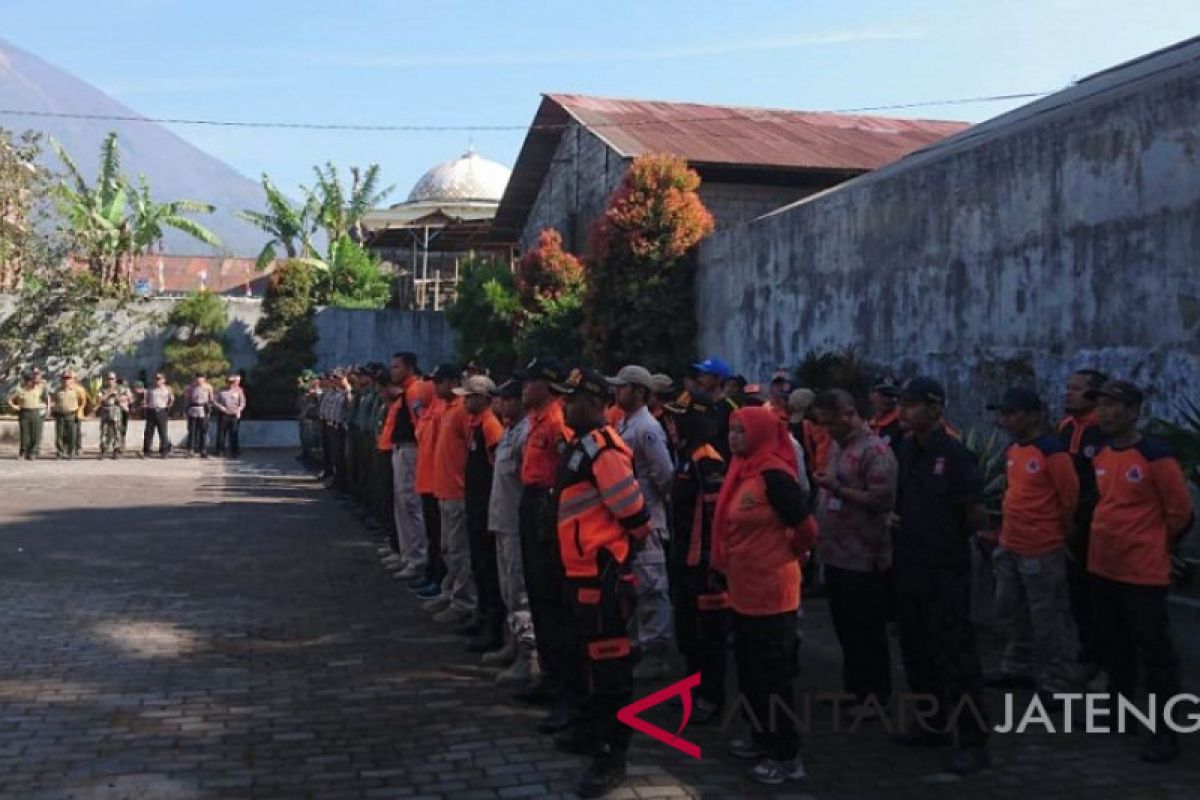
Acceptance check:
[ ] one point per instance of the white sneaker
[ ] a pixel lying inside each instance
(773, 773)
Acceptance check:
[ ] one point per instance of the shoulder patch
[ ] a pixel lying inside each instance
(590, 447)
(1153, 449)
(1049, 445)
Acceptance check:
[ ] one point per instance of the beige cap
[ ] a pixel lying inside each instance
(633, 375)
(476, 384)
(661, 384)
(799, 401)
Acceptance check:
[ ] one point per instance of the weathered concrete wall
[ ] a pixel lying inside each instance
(583, 175)
(346, 336)
(354, 337)
(735, 203)
(1059, 236)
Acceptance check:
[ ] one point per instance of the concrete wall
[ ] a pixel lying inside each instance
(346, 336)
(353, 337)
(1063, 235)
(582, 177)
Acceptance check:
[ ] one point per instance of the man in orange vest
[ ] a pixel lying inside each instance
(399, 437)
(601, 519)
(885, 423)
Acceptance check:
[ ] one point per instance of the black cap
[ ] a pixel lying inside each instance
(887, 386)
(508, 389)
(925, 390)
(542, 369)
(1017, 399)
(583, 380)
(444, 372)
(1121, 391)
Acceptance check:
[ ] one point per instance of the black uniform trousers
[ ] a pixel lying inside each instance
(703, 622)
(544, 578)
(485, 570)
(858, 603)
(435, 568)
(1134, 631)
(198, 434)
(765, 648)
(597, 662)
(937, 643)
(227, 435)
(156, 421)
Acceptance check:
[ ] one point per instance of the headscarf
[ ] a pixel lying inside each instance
(768, 446)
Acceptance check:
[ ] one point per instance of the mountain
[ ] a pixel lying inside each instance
(174, 168)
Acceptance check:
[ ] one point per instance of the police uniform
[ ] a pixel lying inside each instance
(114, 403)
(600, 514)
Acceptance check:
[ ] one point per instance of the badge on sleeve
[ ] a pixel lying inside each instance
(1033, 466)
(1134, 475)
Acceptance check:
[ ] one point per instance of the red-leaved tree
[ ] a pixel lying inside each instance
(641, 280)
(550, 287)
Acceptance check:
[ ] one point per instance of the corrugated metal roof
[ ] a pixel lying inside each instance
(707, 134)
(766, 145)
(189, 273)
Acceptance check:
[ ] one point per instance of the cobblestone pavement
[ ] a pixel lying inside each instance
(194, 629)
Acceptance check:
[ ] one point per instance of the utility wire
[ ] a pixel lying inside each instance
(338, 126)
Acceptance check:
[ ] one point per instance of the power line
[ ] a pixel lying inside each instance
(341, 126)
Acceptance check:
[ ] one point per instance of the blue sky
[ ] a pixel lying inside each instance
(456, 62)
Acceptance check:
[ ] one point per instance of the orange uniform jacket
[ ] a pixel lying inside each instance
(600, 505)
(1040, 497)
(817, 446)
(547, 430)
(427, 434)
(450, 454)
(1144, 505)
(413, 398)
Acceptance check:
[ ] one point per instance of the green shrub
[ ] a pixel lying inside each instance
(290, 337)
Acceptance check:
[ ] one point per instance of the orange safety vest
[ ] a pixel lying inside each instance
(600, 504)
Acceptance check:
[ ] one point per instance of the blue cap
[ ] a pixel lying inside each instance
(714, 366)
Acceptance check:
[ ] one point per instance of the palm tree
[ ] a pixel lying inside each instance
(289, 227)
(103, 225)
(340, 213)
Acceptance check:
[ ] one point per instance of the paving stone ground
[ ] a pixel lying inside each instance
(187, 629)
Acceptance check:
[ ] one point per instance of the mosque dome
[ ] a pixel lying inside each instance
(471, 177)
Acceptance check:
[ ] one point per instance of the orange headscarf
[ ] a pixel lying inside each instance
(768, 446)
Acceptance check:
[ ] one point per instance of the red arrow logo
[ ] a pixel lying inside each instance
(629, 715)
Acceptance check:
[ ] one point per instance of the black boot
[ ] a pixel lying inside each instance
(561, 717)
(605, 773)
(542, 692)
(577, 740)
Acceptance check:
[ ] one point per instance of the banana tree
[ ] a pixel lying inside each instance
(290, 227)
(149, 219)
(342, 213)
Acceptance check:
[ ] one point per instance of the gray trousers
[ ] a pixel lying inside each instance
(459, 584)
(512, 587)
(406, 510)
(1033, 607)
(653, 620)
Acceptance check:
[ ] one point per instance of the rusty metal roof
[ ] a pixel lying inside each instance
(706, 134)
(716, 140)
(228, 276)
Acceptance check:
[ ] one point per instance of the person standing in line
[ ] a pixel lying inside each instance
(69, 398)
(428, 425)
(31, 401)
(198, 400)
(1080, 433)
(229, 404)
(484, 432)
(1144, 509)
(1032, 601)
(886, 420)
(939, 509)
(519, 654)
(698, 592)
(156, 404)
(400, 436)
(856, 497)
(457, 606)
(645, 437)
(547, 439)
(761, 529)
(601, 519)
(115, 399)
